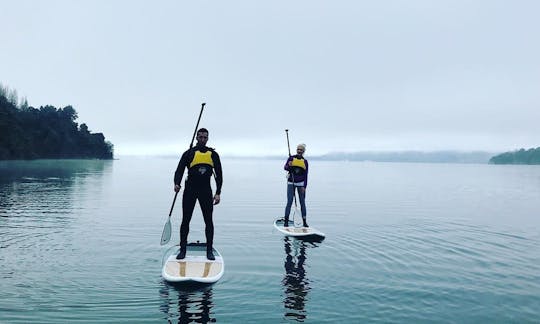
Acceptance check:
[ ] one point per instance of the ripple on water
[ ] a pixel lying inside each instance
(424, 264)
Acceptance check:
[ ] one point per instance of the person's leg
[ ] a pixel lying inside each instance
(188, 204)
(207, 207)
(290, 195)
(302, 196)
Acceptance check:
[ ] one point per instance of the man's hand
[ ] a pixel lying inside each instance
(176, 188)
(216, 199)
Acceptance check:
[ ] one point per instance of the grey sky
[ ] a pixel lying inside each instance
(341, 75)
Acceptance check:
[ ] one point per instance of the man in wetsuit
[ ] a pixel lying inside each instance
(201, 161)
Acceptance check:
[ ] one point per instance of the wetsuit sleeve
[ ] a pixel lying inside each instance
(218, 171)
(307, 171)
(180, 169)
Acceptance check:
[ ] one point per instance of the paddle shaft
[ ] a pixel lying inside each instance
(288, 145)
(167, 224)
(197, 126)
(292, 176)
(174, 200)
(190, 146)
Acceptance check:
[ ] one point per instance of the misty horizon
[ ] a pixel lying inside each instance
(347, 76)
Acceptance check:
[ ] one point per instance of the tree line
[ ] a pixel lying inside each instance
(521, 156)
(45, 133)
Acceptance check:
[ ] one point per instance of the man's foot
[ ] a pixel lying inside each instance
(182, 254)
(286, 222)
(210, 255)
(305, 224)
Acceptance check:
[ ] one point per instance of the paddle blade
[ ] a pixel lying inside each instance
(166, 235)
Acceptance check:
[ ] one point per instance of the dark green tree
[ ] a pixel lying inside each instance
(47, 132)
(521, 156)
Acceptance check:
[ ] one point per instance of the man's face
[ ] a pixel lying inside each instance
(202, 138)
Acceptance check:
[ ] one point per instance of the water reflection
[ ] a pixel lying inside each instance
(40, 182)
(295, 282)
(38, 198)
(12, 171)
(191, 304)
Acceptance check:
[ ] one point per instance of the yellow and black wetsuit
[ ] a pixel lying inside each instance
(201, 162)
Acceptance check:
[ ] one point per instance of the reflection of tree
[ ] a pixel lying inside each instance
(187, 305)
(295, 282)
(25, 185)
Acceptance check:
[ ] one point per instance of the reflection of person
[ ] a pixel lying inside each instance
(186, 301)
(201, 161)
(192, 306)
(295, 282)
(297, 167)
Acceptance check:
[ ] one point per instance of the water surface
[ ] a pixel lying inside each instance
(406, 242)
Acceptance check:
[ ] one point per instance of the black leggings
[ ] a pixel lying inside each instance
(204, 195)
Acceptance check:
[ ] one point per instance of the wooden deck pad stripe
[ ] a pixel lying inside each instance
(184, 269)
(297, 229)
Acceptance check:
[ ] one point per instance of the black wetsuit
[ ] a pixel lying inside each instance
(198, 187)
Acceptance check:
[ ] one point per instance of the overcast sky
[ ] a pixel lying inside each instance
(341, 75)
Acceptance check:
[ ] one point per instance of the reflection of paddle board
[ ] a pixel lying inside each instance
(291, 230)
(195, 267)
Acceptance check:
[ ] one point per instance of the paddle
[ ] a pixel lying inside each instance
(296, 224)
(166, 235)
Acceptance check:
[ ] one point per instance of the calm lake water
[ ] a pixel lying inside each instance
(406, 242)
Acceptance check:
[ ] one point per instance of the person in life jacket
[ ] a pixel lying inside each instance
(297, 166)
(201, 162)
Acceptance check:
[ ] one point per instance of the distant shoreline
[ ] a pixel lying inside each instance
(411, 156)
(474, 157)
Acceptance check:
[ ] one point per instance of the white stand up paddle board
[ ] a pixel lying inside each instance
(300, 232)
(195, 267)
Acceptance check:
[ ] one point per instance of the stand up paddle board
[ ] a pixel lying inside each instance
(195, 267)
(299, 232)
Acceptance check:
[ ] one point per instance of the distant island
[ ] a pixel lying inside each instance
(45, 133)
(409, 156)
(521, 156)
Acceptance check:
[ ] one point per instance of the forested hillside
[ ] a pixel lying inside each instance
(522, 156)
(48, 132)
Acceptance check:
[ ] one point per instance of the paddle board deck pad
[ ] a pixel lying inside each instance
(299, 232)
(195, 267)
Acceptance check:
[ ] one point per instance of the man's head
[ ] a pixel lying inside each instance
(202, 136)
